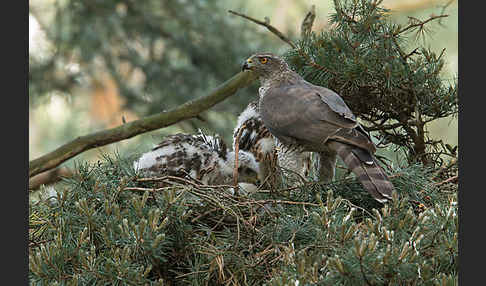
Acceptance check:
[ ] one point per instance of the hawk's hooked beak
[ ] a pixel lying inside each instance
(247, 65)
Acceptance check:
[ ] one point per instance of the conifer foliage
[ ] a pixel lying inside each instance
(110, 226)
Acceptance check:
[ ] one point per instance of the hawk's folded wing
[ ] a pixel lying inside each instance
(311, 115)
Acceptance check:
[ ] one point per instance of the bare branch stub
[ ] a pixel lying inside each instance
(306, 26)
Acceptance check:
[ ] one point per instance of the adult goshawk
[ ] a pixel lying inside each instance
(316, 119)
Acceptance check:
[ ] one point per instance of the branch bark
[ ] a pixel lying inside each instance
(187, 110)
(49, 177)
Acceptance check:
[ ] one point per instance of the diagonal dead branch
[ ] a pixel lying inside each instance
(187, 110)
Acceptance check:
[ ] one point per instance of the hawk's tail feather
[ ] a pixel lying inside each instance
(372, 176)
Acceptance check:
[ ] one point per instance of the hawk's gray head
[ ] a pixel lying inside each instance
(265, 64)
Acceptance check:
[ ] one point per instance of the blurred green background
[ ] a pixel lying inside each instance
(89, 65)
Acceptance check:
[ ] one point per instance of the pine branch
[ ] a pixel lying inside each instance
(420, 24)
(361, 267)
(187, 110)
(445, 7)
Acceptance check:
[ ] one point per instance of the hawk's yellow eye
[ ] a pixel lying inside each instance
(263, 60)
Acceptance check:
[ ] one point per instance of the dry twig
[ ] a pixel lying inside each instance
(237, 149)
(448, 180)
(420, 24)
(268, 26)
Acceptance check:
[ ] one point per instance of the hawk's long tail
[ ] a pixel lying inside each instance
(366, 168)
